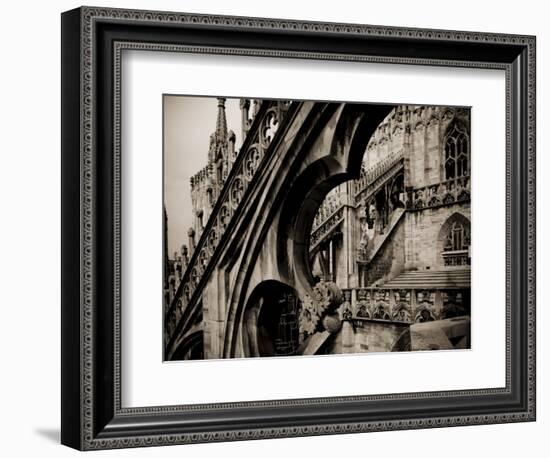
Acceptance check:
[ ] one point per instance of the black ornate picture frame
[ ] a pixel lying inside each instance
(92, 42)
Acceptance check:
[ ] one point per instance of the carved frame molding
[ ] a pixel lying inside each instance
(92, 416)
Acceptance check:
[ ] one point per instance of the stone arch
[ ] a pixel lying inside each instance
(190, 347)
(271, 320)
(401, 313)
(424, 314)
(332, 136)
(340, 162)
(381, 311)
(297, 218)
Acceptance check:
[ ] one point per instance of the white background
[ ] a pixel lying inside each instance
(147, 76)
(30, 245)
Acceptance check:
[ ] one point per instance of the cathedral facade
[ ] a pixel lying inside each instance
(361, 239)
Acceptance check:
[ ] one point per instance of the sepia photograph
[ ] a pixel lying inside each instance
(266, 228)
(302, 228)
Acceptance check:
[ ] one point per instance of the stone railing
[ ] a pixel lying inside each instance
(376, 172)
(404, 305)
(328, 217)
(456, 258)
(255, 145)
(444, 193)
(333, 201)
(326, 228)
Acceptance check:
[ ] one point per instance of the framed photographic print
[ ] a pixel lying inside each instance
(275, 228)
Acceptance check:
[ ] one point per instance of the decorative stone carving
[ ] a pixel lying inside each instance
(401, 313)
(237, 191)
(381, 307)
(252, 162)
(446, 193)
(270, 125)
(321, 303)
(332, 323)
(212, 241)
(434, 120)
(345, 311)
(402, 310)
(448, 115)
(224, 217)
(424, 314)
(308, 318)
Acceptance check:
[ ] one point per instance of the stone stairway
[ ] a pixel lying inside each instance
(379, 239)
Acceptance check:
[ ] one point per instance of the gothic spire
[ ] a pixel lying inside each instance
(221, 121)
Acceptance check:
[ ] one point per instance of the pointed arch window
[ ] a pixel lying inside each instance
(457, 152)
(458, 238)
(456, 245)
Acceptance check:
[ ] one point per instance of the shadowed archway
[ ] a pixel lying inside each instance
(271, 320)
(339, 162)
(191, 347)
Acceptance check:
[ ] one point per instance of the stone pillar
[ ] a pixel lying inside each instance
(407, 166)
(346, 267)
(392, 302)
(200, 222)
(184, 257)
(433, 153)
(410, 219)
(231, 149)
(245, 118)
(191, 235)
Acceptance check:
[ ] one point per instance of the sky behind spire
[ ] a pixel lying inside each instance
(188, 124)
(221, 121)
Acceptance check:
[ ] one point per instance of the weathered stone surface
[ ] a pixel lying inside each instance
(315, 342)
(441, 335)
(377, 335)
